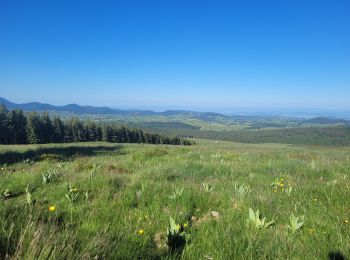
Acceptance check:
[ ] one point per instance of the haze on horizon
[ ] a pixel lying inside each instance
(209, 55)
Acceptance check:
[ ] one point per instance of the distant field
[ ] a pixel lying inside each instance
(246, 129)
(99, 200)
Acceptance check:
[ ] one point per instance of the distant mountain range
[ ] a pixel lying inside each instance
(206, 116)
(77, 109)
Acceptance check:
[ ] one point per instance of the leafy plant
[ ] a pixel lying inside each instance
(28, 161)
(313, 164)
(177, 236)
(94, 170)
(207, 187)
(49, 176)
(288, 190)
(255, 220)
(72, 194)
(87, 195)
(242, 190)
(295, 225)
(6, 194)
(28, 196)
(177, 193)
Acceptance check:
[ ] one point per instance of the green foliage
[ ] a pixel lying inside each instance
(36, 128)
(6, 194)
(94, 170)
(207, 187)
(50, 176)
(72, 193)
(177, 237)
(242, 190)
(177, 193)
(256, 221)
(288, 190)
(281, 185)
(294, 224)
(28, 196)
(4, 125)
(123, 211)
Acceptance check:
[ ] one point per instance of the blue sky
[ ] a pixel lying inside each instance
(177, 54)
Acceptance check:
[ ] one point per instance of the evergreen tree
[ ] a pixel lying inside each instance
(107, 133)
(58, 130)
(4, 125)
(19, 124)
(33, 128)
(46, 129)
(15, 128)
(77, 128)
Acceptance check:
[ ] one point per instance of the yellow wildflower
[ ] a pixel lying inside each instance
(52, 208)
(346, 221)
(311, 230)
(140, 231)
(185, 225)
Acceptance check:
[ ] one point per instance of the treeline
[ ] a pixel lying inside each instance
(326, 136)
(34, 128)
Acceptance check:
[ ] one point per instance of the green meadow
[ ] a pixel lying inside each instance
(141, 201)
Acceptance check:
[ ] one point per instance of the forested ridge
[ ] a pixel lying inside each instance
(337, 135)
(34, 128)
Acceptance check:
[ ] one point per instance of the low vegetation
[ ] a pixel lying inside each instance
(212, 200)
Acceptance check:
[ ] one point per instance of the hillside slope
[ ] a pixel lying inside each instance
(114, 201)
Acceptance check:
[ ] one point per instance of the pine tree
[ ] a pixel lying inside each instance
(19, 123)
(107, 133)
(46, 129)
(77, 129)
(33, 131)
(4, 125)
(58, 130)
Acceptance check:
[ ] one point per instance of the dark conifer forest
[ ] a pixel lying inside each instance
(35, 128)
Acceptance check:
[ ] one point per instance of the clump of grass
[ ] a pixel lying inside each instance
(242, 191)
(50, 176)
(29, 199)
(207, 187)
(177, 193)
(6, 194)
(93, 171)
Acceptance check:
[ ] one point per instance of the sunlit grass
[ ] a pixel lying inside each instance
(116, 203)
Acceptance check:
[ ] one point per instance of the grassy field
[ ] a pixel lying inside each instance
(99, 200)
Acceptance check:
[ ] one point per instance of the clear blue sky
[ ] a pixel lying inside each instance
(208, 54)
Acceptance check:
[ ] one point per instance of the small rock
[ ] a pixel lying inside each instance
(215, 214)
